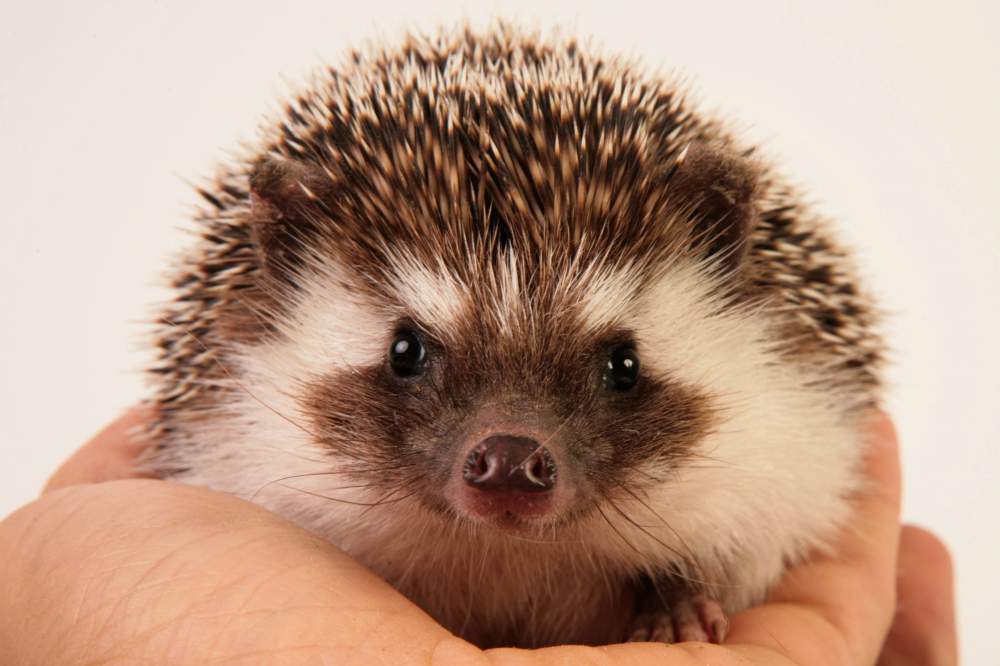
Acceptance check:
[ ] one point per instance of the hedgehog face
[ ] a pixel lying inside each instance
(493, 367)
(519, 407)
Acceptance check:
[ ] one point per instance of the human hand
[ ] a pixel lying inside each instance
(132, 570)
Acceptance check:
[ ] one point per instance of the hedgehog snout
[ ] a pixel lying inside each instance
(507, 478)
(505, 463)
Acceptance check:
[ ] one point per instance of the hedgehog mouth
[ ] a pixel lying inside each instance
(508, 524)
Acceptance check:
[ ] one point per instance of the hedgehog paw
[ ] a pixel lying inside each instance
(695, 618)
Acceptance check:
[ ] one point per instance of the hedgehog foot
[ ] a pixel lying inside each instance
(695, 618)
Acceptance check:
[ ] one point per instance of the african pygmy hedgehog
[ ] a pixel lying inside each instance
(514, 326)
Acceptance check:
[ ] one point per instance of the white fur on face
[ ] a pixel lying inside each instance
(775, 472)
(604, 295)
(431, 295)
(508, 290)
(263, 435)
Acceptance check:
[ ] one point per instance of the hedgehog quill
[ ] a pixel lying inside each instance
(515, 326)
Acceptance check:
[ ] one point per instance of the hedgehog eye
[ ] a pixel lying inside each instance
(622, 370)
(407, 354)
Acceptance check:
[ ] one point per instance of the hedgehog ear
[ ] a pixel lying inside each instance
(721, 187)
(284, 200)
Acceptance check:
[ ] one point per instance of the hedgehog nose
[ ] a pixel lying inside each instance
(505, 462)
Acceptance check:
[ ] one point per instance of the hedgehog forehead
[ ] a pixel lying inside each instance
(511, 294)
(427, 293)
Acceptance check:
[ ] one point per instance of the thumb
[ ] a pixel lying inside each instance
(923, 629)
(110, 455)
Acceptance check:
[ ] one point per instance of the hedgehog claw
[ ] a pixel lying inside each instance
(695, 618)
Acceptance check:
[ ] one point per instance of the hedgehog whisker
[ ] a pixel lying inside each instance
(366, 467)
(385, 498)
(691, 560)
(662, 543)
(404, 576)
(690, 557)
(544, 443)
(311, 474)
(370, 505)
(472, 586)
(381, 502)
(616, 530)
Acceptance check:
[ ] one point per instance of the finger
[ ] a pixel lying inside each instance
(109, 455)
(149, 571)
(845, 600)
(627, 654)
(923, 630)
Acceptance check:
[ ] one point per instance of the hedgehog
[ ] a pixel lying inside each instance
(513, 324)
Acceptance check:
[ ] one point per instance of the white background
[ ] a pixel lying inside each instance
(887, 115)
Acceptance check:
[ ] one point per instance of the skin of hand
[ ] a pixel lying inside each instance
(106, 568)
